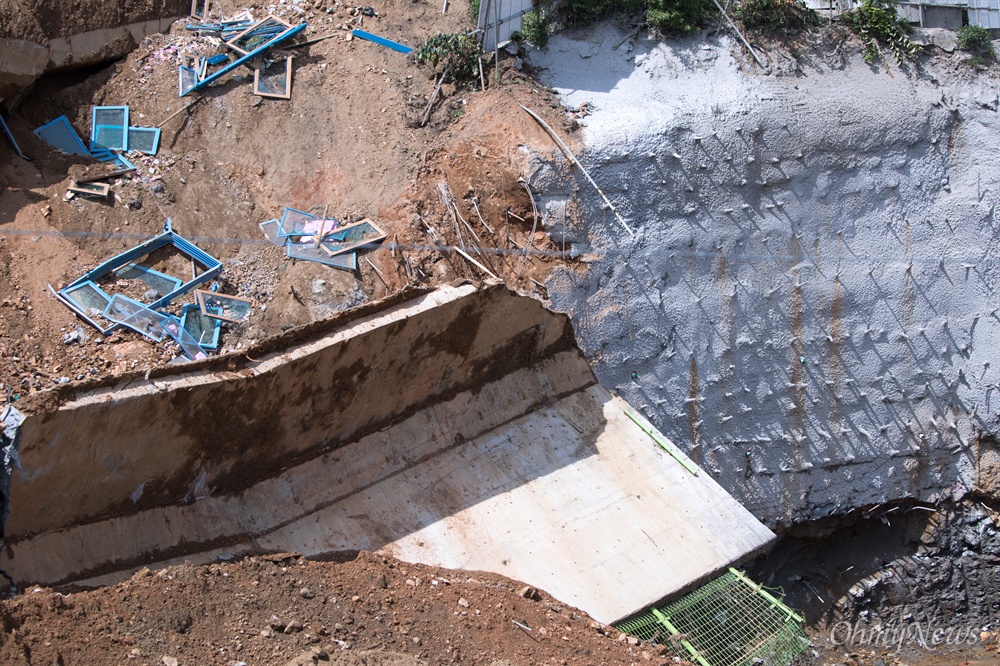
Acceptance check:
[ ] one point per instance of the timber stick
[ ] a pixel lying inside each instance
(573, 161)
(180, 111)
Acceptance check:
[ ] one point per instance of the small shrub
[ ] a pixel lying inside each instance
(456, 52)
(678, 16)
(777, 16)
(474, 11)
(585, 12)
(877, 24)
(974, 38)
(535, 28)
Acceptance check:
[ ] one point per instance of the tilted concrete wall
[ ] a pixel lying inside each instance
(135, 445)
(461, 429)
(813, 280)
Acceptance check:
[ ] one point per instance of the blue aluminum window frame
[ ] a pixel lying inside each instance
(194, 310)
(145, 130)
(66, 296)
(286, 233)
(109, 137)
(212, 269)
(72, 143)
(94, 125)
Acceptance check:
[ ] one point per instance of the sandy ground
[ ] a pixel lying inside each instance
(361, 609)
(348, 142)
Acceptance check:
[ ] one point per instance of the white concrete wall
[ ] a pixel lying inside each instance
(813, 281)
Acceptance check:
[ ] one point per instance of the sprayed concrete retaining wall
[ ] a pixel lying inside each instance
(809, 303)
(462, 428)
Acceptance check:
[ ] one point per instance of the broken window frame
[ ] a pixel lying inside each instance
(187, 312)
(215, 76)
(144, 130)
(6, 130)
(201, 294)
(74, 138)
(181, 90)
(206, 7)
(65, 295)
(234, 43)
(94, 125)
(262, 67)
(90, 189)
(212, 269)
(130, 320)
(335, 250)
(273, 238)
(282, 233)
(309, 252)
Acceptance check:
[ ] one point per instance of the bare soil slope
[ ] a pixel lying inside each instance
(283, 609)
(348, 141)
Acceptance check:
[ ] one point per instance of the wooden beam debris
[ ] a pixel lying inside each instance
(575, 162)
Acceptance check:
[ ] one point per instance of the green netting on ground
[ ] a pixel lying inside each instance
(731, 621)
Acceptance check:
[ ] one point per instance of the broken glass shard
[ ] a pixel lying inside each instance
(223, 306)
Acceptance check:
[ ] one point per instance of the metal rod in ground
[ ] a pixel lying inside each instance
(575, 162)
(739, 34)
(180, 111)
(475, 204)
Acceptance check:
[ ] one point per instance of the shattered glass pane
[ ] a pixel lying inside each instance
(222, 306)
(346, 261)
(187, 343)
(144, 139)
(273, 79)
(271, 229)
(127, 312)
(293, 222)
(161, 283)
(187, 79)
(353, 236)
(108, 137)
(204, 329)
(89, 298)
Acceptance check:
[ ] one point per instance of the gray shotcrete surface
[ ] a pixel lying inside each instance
(808, 304)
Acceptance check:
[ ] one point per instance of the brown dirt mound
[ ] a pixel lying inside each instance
(346, 141)
(283, 609)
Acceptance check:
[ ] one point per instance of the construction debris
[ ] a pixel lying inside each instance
(273, 78)
(322, 239)
(60, 135)
(250, 41)
(223, 307)
(382, 41)
(10, 136)
(97, 296)
(90, 189)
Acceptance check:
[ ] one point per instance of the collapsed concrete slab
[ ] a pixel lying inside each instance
(461, 428)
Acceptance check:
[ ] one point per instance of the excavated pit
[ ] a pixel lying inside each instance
(459, 427)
